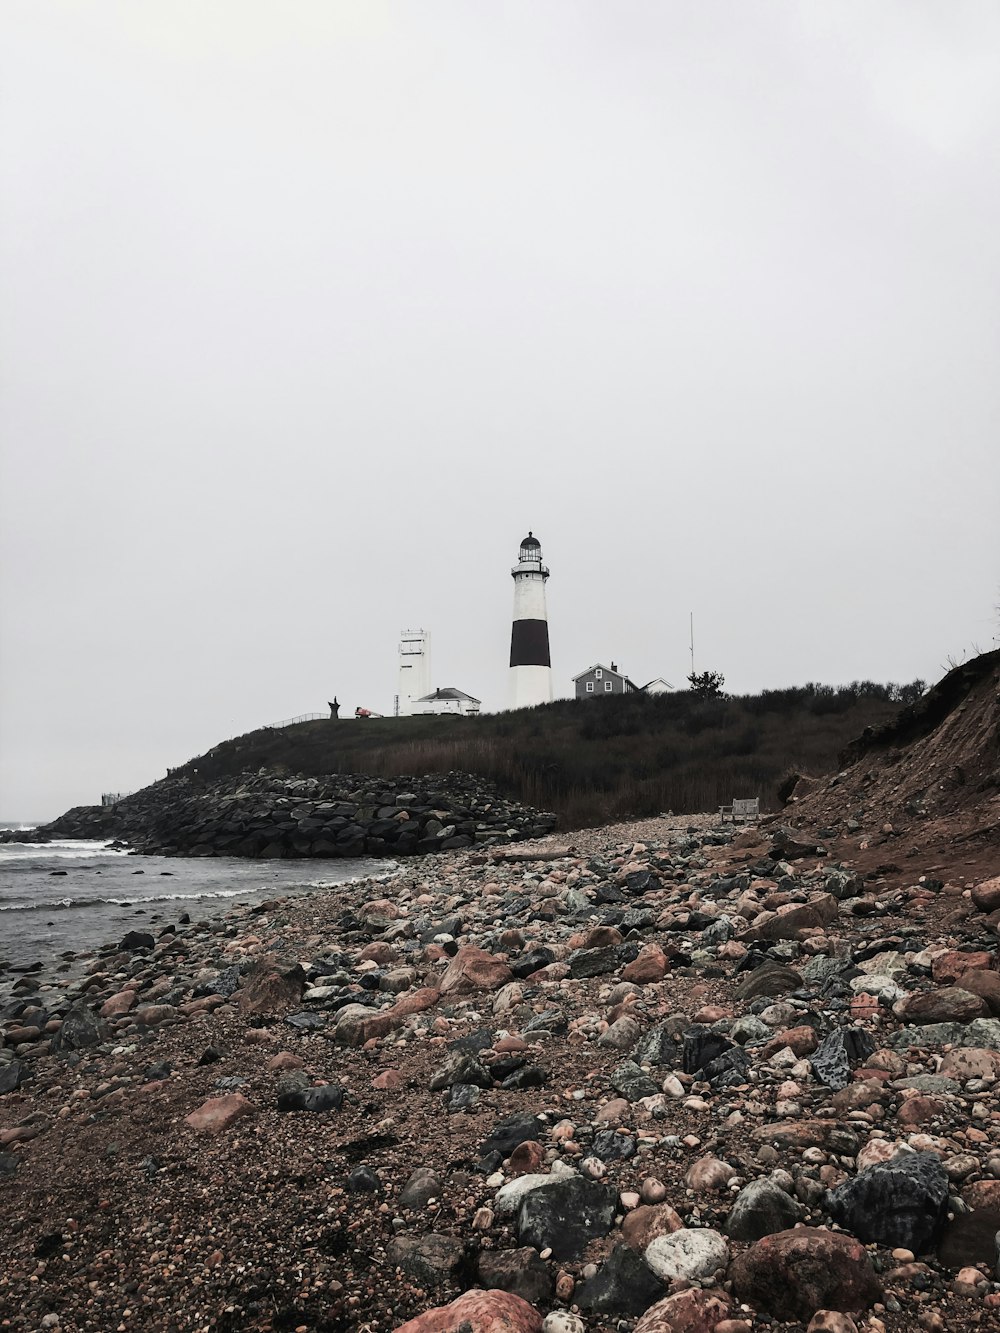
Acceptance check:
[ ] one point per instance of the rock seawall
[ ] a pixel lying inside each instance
(343, 815)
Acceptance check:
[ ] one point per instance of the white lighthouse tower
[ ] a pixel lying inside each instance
(530, 665)
(414, 669)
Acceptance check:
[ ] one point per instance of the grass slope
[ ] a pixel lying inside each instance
(594, 760)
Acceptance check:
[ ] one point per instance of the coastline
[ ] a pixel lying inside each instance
(62, 901)
(352, 1052)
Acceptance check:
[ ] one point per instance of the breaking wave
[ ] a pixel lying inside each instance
(64, 849)
(66, 904)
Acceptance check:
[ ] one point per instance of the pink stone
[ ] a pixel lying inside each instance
(831, 1321)
(952, 965)
(691, 1311)
(478, 1312)
(709, 1173)
(986, 895)
(286, 1060)
(793, 1274)
(153, 1015)
(947, 1004)
(118, 1004)
(219, 1113)
(642, 1226)
(390, 1080)
(378, 952)
(526, 1159)
(272, 985)
(474, 969)
(648, 967)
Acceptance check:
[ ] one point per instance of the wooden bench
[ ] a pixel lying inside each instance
(740, 812)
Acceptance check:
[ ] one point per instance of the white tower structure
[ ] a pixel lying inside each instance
(530, 665)
(414, 668)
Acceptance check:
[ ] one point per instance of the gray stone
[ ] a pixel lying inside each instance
(687, 1254)
(837, 1053)
(422, 1185)
(768, 979)
(80, 1028)
(519, 1271)
(623, 1285)
(902, 1202)
(429, 1259)
(460, 1067)
(981, 1032)
(566, 1215)
(632, 1083)
(12, 1075)
(662, 1045)
(932, 1083)
(592, 962)
(762, 1208)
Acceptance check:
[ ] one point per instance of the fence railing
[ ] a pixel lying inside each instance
(113, 797)
(291, 721)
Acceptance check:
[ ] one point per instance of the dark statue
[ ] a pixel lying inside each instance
(334, 709)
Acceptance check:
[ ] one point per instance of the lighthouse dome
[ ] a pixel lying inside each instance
(530, 541)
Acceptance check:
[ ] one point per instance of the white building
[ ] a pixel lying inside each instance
(414, 669)
(446, 700)
(657, 686)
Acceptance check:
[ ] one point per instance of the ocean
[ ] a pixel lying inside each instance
(74, 896)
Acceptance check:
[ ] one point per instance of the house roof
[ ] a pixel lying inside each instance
(599, 666)
(448, 692)
(657, 680)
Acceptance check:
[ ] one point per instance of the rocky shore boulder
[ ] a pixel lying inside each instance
(339, 815)
(794, 1273)
(902, 1202)
(478, 1312)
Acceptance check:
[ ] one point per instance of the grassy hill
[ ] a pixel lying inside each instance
(591, 760)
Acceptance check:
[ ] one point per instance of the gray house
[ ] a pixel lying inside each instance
(600, 679)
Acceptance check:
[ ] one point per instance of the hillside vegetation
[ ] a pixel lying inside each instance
(591, 760)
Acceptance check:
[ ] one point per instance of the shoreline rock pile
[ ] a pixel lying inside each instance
(670, 1080)
(343, 815)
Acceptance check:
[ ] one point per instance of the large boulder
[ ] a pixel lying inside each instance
(947, 1004)
(474, 969)
(794, 1273)
(478, 1312)
(838, 1052)
(986, 895)
(691, 1311)
(219, 1113)
(431, 1260)
(271, 986)
(902, 1202)
(687, 1254)
(356, 1023)
(520, 1271)
(565, 1215)
(761, 1208)
(80, 1028)
(623, 1285)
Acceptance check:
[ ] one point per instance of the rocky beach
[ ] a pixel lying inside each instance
(661, 1077)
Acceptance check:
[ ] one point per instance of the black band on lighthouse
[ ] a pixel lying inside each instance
(529, 643)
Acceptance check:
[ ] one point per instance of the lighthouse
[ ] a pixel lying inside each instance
(530, 666)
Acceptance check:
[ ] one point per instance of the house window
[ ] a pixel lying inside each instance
(598, 673)
(590, 687)
(609, 685)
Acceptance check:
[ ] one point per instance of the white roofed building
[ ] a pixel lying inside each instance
(445, 700)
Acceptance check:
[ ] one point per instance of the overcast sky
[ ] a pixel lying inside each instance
(311, 310)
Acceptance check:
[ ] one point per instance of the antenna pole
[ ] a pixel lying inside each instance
(692, 643)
